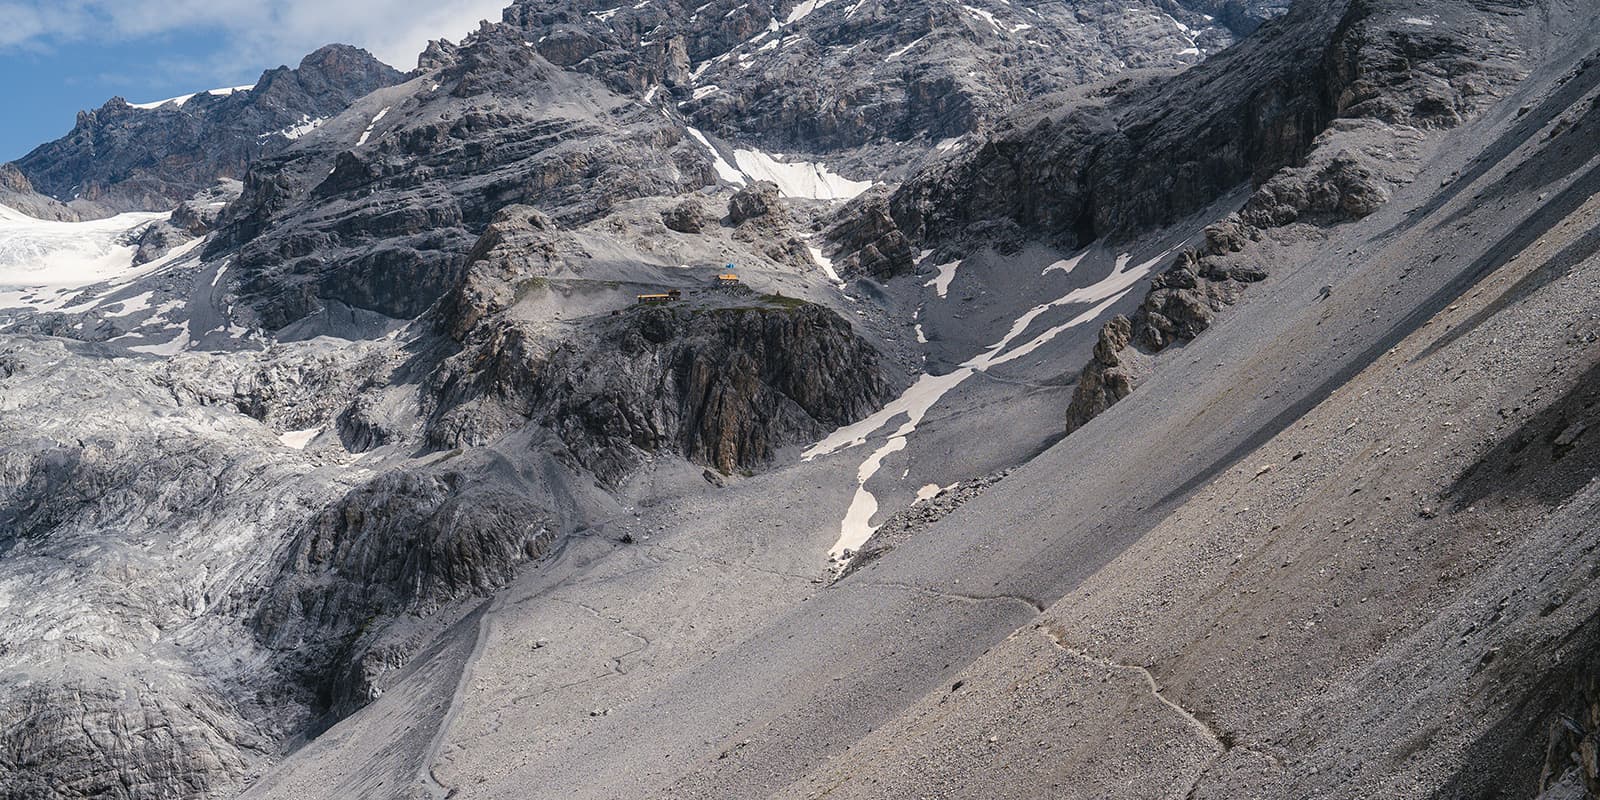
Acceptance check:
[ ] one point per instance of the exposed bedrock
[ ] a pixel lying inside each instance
(386, 226)
(725, 385)
(1140, 154)
(1388, 85)
(406, 542)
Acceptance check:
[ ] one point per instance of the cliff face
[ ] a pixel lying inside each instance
(725, 384)
(17, 192)
(1135, 155)
(133, 158)
(822, 76)
(1392, 80)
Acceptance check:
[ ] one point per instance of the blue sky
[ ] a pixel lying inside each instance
(61, 56)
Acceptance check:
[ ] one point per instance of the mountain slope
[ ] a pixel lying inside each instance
(711, 723)
(410, 478)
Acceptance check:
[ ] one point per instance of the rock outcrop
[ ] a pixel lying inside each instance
(1117, 161)
(722, 383)
(17, 192)
(869, 240)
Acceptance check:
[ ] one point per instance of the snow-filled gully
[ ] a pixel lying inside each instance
(915, 403)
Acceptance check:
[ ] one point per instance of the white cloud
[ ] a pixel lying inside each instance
(266, 32)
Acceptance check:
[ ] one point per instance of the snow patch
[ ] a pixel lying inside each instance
(1065, 265)
(367, 134)
(825, 263)
(916, 402)
(134, 305)
(798, 179)
(724, 170)
(902, 51)
(941, 281)
(983, 15)
(297, 440)
(170, 348)
(303, 127)
(794, 178)
(804, 10)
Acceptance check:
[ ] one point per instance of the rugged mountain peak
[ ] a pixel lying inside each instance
(150, 156)
(327, 79)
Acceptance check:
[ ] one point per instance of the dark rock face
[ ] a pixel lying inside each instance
(193, 752)
(1318, 112)
(17, 192)
(686, 217)
(831, 76)
(136, 159)
(756, 200)
(733, 387)
(520, 245)
(1124, 159)
(407, 542)
(873, 245)
(1110, 375)
(192, 219)
(389, 229)
(723, 386)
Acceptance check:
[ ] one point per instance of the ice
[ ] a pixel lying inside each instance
(43, 263)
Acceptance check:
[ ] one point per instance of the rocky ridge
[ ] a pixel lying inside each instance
(123, 157)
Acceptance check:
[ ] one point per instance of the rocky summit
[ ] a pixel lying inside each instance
(837, 398)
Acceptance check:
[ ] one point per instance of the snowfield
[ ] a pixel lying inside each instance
(800, 179)
(44, 263)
